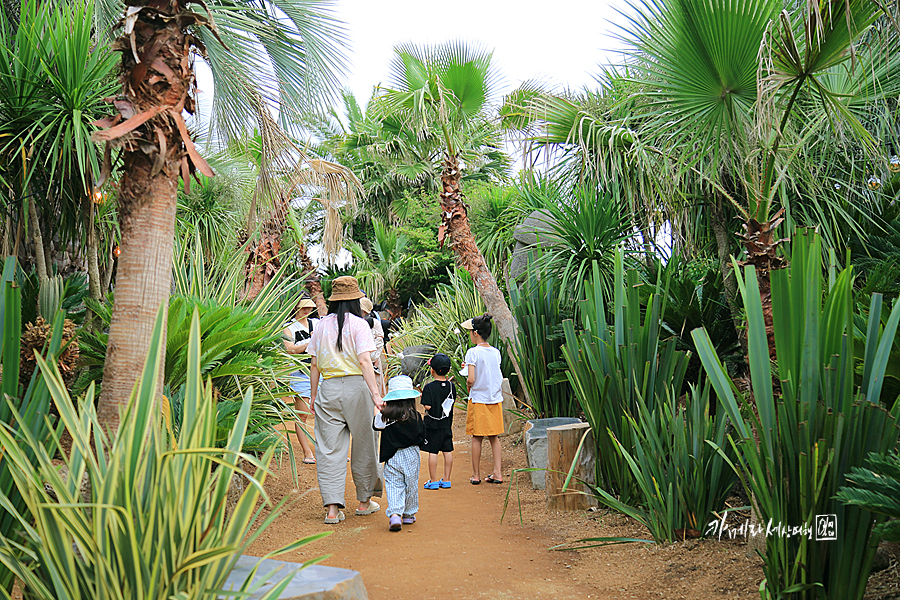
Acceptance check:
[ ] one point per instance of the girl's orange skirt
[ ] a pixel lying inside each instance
(484, 419)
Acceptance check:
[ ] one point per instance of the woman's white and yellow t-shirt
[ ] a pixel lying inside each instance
(356, 339)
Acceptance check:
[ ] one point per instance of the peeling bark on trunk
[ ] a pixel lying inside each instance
(455, 225)
(157, 77)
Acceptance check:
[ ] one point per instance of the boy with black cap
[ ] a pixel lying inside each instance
(438, 398)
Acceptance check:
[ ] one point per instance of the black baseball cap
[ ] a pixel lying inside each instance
(440, 362)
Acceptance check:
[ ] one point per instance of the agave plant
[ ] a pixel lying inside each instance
(153, 522)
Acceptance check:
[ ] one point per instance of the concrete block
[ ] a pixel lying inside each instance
(536, 445)
(312, 583)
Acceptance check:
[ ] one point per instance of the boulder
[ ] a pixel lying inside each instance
(536, 225)
(536, 445)
(415, 362)
(312, 583)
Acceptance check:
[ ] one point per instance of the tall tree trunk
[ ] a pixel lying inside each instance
(93, 263)
(455, 225)
(157, 149)
(723, 251)
(40, 259)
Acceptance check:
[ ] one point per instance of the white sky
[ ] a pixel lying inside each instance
(559, 42)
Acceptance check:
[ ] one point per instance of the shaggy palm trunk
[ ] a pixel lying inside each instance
(455, 225)
(157, 77)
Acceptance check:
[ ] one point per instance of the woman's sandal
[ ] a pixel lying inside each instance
(490, 479)
(309, 461)
(374, 507)
(335, 520)
(474, 481)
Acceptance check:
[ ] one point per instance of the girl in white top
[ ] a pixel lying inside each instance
(484, 413)
(296, 338)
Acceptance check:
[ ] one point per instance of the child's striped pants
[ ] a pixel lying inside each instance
(401, 481)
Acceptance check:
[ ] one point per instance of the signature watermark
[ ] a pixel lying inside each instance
(823, 529)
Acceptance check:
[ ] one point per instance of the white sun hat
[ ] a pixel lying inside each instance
(400, 388)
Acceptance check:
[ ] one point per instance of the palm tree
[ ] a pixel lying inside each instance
(380, 274)
(442, 94)
(281, 51)
(734, 83)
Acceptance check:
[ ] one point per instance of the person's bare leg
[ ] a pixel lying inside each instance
(432, 467)
(476, 457)
(495, 450)
(448, 464)
(301, 406)
(333, 511)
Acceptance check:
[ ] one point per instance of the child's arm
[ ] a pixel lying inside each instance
(470, 378)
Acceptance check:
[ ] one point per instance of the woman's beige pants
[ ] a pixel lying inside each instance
(343, 409)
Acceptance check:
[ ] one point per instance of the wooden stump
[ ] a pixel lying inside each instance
(562, 443)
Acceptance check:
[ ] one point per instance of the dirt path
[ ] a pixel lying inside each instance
(456, 549)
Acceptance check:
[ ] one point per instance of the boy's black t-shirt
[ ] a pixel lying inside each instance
(433, 395)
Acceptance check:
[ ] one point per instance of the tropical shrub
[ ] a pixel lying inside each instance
(585, 226)
(31, 408)
(877, 489)
(536, 307)
(682, 480)
(796, 447)
(153, 523)
(613, 367)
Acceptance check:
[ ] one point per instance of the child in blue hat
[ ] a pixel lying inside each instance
(402, 432)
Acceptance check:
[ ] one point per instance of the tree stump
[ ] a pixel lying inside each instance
(512, 424)
(562, 444)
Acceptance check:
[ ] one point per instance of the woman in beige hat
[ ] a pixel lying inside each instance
(296, 338)
(341, 347)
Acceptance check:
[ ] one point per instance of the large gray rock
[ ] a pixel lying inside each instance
(414, 363)
(312, 583)
(536, 225)
(536, 445)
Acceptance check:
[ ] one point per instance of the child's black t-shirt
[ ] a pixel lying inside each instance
(433, 395)
(396, 435)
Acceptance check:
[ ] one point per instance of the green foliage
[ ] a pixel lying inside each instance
(494, 214)
(19, 412)
(536, 308)
(53, 81)
(682, 480)
(437, 323)
(379, 273)
(585, 226)
(209, 214)
(419, 218)
(877, 489)
(797, 448)
(613, 366)
(155, 523)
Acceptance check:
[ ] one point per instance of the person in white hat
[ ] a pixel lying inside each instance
(402, 432)
(296, 339)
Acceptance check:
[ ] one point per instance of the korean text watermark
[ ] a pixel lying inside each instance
(823, 529)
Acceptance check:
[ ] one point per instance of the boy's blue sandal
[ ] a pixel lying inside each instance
(432, 485)
(444, 484)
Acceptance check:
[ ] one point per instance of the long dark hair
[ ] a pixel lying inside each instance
(483, 325)
(341, 308)
(399, 410)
